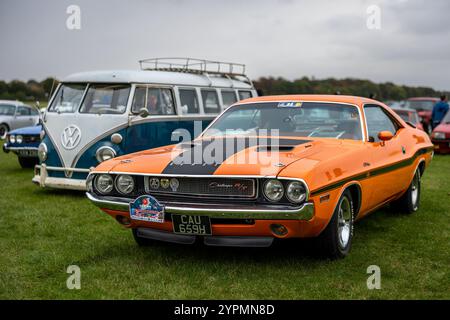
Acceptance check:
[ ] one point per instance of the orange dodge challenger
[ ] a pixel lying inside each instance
(293, 166)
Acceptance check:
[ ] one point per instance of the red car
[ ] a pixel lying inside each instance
(424, 107)
(441, 136)
(409, 115)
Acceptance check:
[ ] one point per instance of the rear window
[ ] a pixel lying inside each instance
(106, 99)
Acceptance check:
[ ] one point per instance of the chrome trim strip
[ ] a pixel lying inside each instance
(304, 212)
(49, 168)
(21, 148)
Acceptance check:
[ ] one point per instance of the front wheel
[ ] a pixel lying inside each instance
(3, 130)
(409, 202)
(336, 240)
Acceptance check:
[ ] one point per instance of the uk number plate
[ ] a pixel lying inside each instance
(185, 224)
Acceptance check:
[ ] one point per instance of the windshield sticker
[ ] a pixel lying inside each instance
(289, 104)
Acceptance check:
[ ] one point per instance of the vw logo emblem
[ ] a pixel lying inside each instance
(71, 137)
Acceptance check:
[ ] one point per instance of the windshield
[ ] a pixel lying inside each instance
(106, 99)
(7, 110)
(420, 105)
(68, 98)
(307, 119)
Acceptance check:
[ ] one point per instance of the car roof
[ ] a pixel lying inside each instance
(359, 101)
(422, 99)
(157, 77)
(14, 102)
(404, 109)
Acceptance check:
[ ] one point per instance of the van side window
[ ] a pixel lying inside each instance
(228, 98)
(189, 101)
(244, 94)
(106, 99)
(158, 101)
(377, 120)
(23, 111)
(210, 101)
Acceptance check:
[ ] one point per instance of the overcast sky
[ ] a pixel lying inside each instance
(288, 38)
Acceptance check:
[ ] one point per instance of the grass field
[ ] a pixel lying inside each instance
(42, 232)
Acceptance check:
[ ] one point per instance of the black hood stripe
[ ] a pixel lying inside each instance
(191, 160)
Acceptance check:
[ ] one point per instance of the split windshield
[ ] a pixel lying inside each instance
(304, 119)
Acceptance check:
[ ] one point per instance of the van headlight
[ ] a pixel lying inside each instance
(105, 153)
(273, 190)
(296, 192)
(19, 138)
(12, 138)
(42, 134)
(42, 152)
(125, 184)
(104, 183)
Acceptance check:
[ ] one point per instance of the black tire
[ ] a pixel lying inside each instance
(142, 242)
(333, 242)
(4, 129)
(409, 202)
(28, 162)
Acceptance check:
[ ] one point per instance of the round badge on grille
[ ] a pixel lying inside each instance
(174, 184)
(154, 183)
(165, 183)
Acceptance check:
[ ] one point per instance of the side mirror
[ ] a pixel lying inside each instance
(143, 112)
(385, 135)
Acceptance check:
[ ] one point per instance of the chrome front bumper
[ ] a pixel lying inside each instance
(222, 211)
(42, 179)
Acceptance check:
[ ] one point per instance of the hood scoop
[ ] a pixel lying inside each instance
(275, 148)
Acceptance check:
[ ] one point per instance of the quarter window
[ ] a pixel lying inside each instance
(228, 98)
(210, 101)
(244, 94)
(158, 101)
(377, 120)
(189, 101)
(106, 99)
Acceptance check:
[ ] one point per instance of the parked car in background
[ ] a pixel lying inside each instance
(441, 136)
(295, 166)
(409, 115)
(14, 115)
(24, 142)
(424, 107)
(96, 116)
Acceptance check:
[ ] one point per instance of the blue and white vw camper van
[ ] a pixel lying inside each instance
(96, 116)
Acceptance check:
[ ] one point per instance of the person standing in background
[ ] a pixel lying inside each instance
(439, 111)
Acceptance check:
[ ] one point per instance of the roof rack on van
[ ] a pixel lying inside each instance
(197, 66)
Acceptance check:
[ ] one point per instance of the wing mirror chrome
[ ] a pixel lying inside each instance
(143, 112)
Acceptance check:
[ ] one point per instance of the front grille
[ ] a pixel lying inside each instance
(210, 187)
(31, 138)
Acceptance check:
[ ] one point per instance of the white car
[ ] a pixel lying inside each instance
(14, 115)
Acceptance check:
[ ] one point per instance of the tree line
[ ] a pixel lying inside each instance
(33, 90)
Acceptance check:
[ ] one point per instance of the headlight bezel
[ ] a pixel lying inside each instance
(96, 184)
(19, 139)
(42, 152)
(280, 185)
(304, 194)
(102, 151)
(117, 184)
(12, 138)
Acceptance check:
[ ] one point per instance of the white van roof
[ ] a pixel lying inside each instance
(157, 77)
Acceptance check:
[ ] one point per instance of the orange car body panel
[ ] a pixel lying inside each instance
(381, 170)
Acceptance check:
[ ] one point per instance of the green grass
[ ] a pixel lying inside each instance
(43, 231)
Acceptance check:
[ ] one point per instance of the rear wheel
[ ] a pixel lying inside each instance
(3, 130)
(28, 162)
(142, 242)
(409, 202)
(336, 240)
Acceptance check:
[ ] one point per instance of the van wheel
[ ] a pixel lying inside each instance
(3, 130)
(142, 242)
(336, 240)
(28, 162)
(409, 202)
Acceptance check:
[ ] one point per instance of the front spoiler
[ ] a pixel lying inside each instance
(42, 179)
(220, 211)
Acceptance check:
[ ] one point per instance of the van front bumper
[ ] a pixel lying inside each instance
(42, 179)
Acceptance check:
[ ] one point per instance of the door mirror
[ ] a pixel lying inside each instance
(385, 135)
(143, 112)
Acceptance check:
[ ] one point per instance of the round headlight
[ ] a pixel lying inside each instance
(296, 192)
(42, 152)
(12, 138)
(19, 138)
(104, 183)
(125, 184)
(273, 190)
(105, 153)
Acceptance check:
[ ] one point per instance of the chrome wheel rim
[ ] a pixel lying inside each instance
(415, 189)
(344, 222)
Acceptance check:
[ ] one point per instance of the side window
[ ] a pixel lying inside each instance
(210, 101)
(377, 120)
(244, 94)
(34, 112)
(228, 98)
(189, 101)
(23, 111)
(158, 101)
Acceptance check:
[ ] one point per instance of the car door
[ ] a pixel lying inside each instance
(23, 117)
(386, 175)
